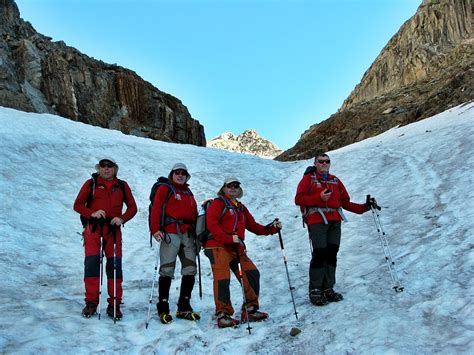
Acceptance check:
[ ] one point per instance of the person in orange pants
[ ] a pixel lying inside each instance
(227, 219)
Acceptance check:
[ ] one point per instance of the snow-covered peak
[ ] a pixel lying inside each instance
(248, 142)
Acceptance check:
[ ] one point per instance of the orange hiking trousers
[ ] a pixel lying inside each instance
(222, 262)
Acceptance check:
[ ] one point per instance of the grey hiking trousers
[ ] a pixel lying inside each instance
(174, 245)
(325, 240)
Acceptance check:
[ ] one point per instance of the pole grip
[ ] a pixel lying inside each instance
(281, 240)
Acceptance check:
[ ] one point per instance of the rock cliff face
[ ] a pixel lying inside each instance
(39, 75)
(248, 142)
(424, 69)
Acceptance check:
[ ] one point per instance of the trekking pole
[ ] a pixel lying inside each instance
(384, 242)
(241, 280)
(101, 269)
(198, 249)
(100, 221)
(152, 287)
(199, 274)
(287, 273)
(115, 274)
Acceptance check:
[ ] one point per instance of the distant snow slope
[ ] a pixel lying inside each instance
(421, 174)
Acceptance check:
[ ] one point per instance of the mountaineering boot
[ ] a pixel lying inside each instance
(188, 315)
(317, 297)
(118, 312)
(254, 315)
(332, 296)
(185, 311)
(89, 310)
(225, 321)
(163, 307)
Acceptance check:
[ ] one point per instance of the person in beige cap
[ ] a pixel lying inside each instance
(173, 217)
(100, 202)
(227, 219)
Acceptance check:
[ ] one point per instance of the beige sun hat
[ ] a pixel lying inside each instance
(179, 166)
(228, 180)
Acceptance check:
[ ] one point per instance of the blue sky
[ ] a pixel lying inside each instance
(276, 66)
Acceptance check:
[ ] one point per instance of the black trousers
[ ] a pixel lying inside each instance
(325, 239)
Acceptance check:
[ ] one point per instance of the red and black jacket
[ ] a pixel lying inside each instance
(108, 196)
(180, 210)
(235, 221)
(308, 196)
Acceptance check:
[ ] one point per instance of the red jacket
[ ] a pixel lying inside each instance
(108, 196)
(234, 221)
(181, 206)
(308, 195)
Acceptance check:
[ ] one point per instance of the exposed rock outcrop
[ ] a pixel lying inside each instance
(39, 75)
(424, 69)
(248, 142)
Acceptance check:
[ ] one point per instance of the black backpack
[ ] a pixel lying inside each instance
(171, 191)
(202, 233)
(93, 184)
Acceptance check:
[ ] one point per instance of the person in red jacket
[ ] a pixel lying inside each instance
(177, 238)
(100, 203)
(322, 197)
(227, 219)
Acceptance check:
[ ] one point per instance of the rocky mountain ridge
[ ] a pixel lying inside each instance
(39, 75)
(425, 68)
(248, 142)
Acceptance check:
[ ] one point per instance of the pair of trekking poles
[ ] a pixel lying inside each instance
(155, 274)
(374, 207)
(112, 229)
(240, 274)
(396, 284)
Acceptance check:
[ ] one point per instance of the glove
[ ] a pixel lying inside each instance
(277, 224)
(371, 203)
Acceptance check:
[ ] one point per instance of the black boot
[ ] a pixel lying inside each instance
(185, 311)
(187, 284)
(163, 306)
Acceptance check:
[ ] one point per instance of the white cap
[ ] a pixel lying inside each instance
(179, 166)
(228, 180)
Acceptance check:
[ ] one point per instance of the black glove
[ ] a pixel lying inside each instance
(371, 203)
(276, 223)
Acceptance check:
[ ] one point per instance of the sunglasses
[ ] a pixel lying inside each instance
(180, 172)
(107, 165)
(327, 161)
(233, 185)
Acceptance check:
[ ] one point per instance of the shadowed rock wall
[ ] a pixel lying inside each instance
(39, 75)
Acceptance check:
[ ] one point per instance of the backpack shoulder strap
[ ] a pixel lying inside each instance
(93, 184)
(121, 184)
(309, 170)
(228, 206)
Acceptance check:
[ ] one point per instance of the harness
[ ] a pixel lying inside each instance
(321, 210)
(310, 210)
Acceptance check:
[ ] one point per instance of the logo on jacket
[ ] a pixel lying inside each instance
(178, 197)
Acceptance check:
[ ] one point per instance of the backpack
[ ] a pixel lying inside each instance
(171, 191)
(202, 233)
(93, 184)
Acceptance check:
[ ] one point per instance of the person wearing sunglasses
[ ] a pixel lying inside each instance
(322, 196)
(173, 217)
(100, 202)
(227, 219)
